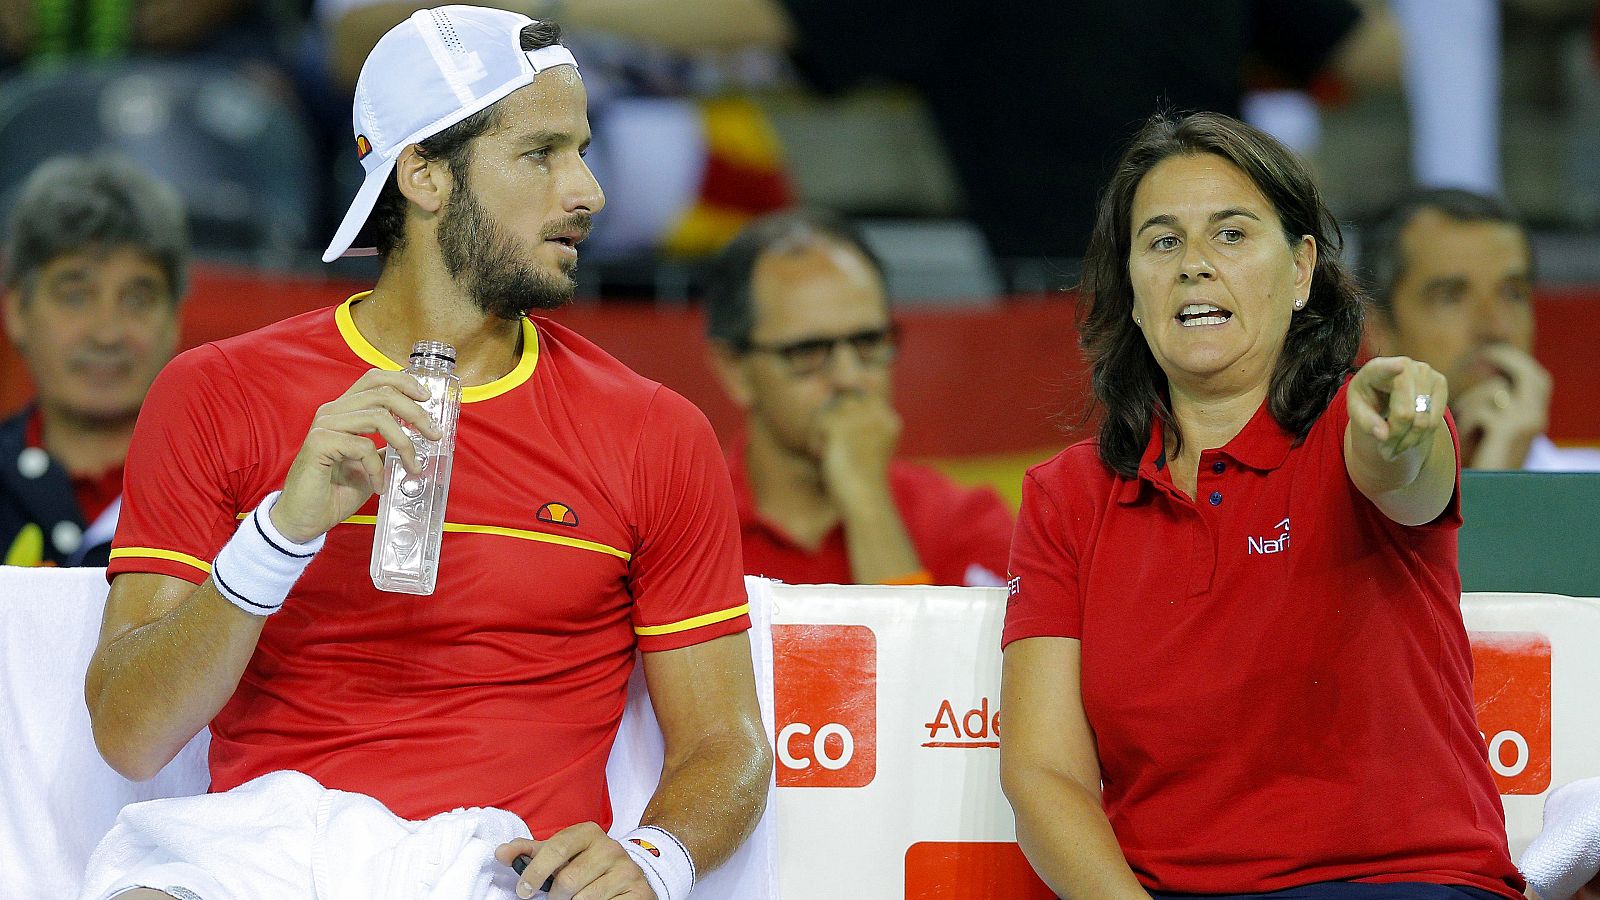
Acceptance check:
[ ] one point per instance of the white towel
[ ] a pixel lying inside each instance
(1566, 854)
(285, 836)
(57, 796)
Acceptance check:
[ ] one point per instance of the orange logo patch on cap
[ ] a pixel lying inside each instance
(363, 146)
(649, 848)
(558, 514)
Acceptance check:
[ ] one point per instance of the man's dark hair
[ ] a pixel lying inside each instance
(452, 146)
(1382, 260)
(73, 203)
(730, 305)
(1323, 338)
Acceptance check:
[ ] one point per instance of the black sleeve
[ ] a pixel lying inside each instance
(843, 43)
(1297, 37)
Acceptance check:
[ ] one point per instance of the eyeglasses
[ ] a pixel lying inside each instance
(875, 347)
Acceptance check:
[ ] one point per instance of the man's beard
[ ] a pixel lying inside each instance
(483, 259)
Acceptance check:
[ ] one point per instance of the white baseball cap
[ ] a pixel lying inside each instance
(428, 73)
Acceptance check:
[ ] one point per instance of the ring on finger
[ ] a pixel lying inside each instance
(1424, 403)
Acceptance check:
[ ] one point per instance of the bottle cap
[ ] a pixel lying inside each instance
(434, 350)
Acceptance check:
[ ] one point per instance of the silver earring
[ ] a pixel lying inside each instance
(1138, 321)
(1300, 304)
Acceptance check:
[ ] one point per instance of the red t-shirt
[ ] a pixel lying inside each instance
(506, 686)
(962, 535)
(1268, 711)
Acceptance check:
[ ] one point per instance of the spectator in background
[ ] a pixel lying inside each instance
(45, 32)
(1451, 276)
(97, 252)
(1058, 86)
(803, 342)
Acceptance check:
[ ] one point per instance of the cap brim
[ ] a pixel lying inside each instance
(356, 216)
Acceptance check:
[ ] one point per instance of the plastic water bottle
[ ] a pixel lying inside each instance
(405, 547)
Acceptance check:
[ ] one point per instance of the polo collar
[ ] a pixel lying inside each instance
(1262, 445)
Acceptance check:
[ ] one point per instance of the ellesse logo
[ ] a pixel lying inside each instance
(363, 146)
(558, 514)
(649, 848)
(825, 690)
(1511, 692)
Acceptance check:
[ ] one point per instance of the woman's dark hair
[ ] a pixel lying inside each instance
(453, 146)
(1323, 338)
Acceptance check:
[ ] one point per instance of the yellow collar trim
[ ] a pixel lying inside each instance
(374, 357)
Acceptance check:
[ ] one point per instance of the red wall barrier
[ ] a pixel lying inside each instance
(969, 382)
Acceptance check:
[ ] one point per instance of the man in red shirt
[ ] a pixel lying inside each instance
(589, 515)
(802, 339)
(97, 253)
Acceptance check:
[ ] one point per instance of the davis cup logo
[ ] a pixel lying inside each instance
(825, 690)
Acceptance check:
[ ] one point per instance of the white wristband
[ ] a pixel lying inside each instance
(666, 864)
(258, 565)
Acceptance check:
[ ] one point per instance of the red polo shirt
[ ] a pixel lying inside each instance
(962, 535)
(1269, 710)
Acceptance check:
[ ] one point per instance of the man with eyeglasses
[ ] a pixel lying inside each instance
(802, 340)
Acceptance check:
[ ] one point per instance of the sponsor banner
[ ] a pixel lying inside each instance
(1511, 690)
(919, 791)
(826, 705)
(1535, 674)
(971, 870)
(889, 725)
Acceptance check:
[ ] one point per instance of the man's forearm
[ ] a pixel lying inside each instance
(152, 688)
(712, 799)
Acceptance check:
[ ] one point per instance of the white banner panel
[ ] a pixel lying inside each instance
(887, 703)
(887, 719)
(1537, 684)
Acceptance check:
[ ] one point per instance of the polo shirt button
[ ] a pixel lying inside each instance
(1219, 467)
(1216, 498)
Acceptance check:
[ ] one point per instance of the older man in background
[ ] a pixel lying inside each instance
(803, 342)
(96, 252)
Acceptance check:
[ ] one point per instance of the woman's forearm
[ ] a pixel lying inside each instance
(1065, 835)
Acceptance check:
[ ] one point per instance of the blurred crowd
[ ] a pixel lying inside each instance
(970, 143)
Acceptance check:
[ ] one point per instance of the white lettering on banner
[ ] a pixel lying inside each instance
(975, 729)
(1497, 760)
(819, 746)
(1272, 544)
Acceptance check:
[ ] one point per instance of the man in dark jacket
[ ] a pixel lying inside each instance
(96, 253)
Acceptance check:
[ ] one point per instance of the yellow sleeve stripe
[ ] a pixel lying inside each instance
(155, 553)
(696, 622)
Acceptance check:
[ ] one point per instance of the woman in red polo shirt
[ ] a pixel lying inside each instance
(1234, 656)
